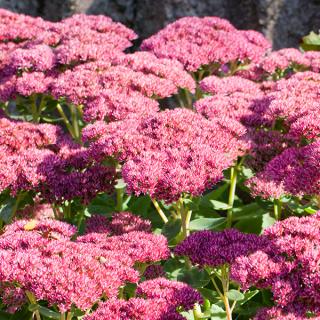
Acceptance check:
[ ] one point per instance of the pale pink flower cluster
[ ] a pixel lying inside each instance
(169, 153)
(197, 42)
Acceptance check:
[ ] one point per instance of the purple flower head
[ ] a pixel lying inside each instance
(209, 248)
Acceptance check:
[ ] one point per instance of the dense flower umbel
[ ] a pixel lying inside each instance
(288, 264)
(122, 222)
(202, 41)
(161, 299)
(209, 248)
(41, 157)
(176, 293)
(41, 257)
(124, 85)
(135, 309)
(170, 153)
(296, 312)
(140, 246)
(294, 171)
(37, 51)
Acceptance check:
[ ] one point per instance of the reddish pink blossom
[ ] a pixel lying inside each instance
(39, 256)
(288, 264)
(229, 85)
(39, 157)
(122, 222)
(176, 293)
(140, 246)
(167, 154)
(196, 42)
(294, 171)
(283, 59)
(135, 308)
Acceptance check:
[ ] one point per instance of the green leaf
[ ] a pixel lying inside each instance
(171, 229)
(102, 204)
(218, 205)
(255, 224)
(217, 313)
(120, 184)
(49, 313)
(172, 268)
(195, 277)
(312, 39)
(6, 210)
(187, 315)
(217, 193)
(248, 296)
(207, 223)
(209, 294)
(33, 307)
(140, 205)
(248, 211)
(235, 295)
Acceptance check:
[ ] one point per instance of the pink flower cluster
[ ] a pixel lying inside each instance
(197, 42)
(294, 171)
(126, 84)
(288, 264)
(169, 153)
(80, 59)
(157, 299)
(41, 157)
(122, 222)
(40, 257)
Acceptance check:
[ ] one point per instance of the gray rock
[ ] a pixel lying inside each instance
(284, 22)
(30, 7)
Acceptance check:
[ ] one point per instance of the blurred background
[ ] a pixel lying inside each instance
(284, 22)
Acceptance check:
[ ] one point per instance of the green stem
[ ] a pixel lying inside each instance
(33, 300)
(69, 315)
(225, 286)
(120, 193)
(20, 196)
(197, 313)
(159, 210)
(185, 220)
(277, 208)
(75, 121)
(62, 316)
(232, 192)
(188, 98)
(34, 109)
(66, 121)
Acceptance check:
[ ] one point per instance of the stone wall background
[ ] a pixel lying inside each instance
(284, 22)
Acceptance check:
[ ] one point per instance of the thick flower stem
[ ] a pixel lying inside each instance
(75, 122)
(69, 316)
(185, 219)
(33, 301)
(159, 210)
(277, 208)
(19, 198)
(66, 121)
(119, 193)
(232, 192)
